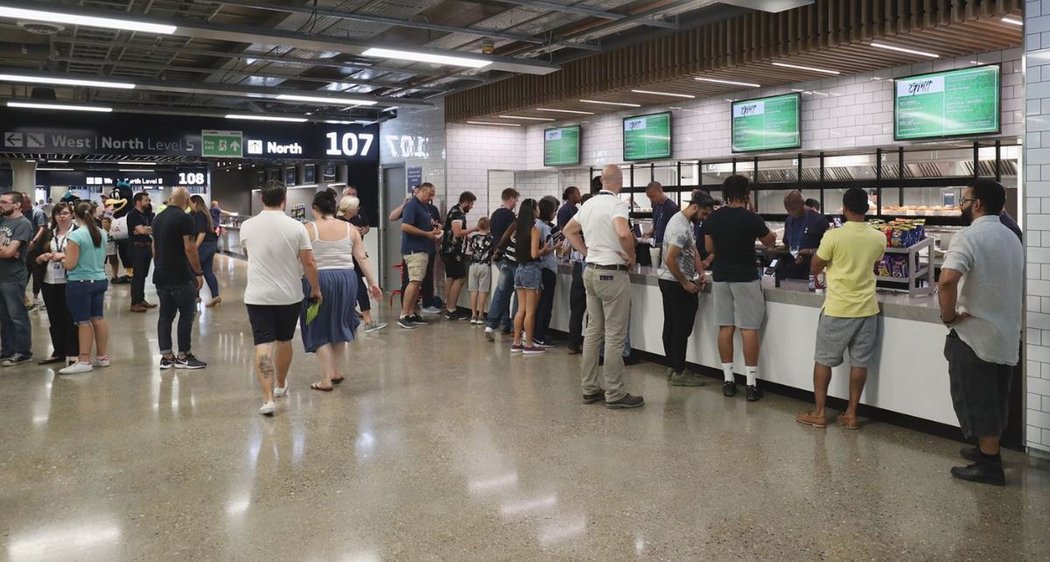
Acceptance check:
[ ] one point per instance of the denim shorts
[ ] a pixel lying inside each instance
(85, 299)
(528, 276)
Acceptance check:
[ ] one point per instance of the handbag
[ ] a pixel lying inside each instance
(118, 229)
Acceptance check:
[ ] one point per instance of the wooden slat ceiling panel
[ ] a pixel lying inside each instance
(831, 34)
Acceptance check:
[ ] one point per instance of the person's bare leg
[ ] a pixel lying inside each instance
(455, 288)
(408, 301)
(326, 359)
(87, 340)
(519, 318)
(988, 445)
(100, 329)
(725, 343)
(821, 380)
(473, 304)
(338, 354)
(282, 352)
(366, 315)
(751, 346)
(532, 300)
(483, 301)
(264, 369)
(857, 377)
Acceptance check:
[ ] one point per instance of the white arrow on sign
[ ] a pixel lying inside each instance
(13, 140)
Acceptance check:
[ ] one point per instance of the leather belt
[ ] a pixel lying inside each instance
(618, 267)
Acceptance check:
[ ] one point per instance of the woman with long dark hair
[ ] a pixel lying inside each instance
(207, 245)
(527, 278)
(85, 264)
(548, 270)
(63, 330)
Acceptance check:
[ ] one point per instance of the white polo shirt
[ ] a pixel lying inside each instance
(596, 218)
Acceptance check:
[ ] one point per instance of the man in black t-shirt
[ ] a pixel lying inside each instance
(499, 309)
(140, 251)
(453, 253)
(177, 276)
(730, 234)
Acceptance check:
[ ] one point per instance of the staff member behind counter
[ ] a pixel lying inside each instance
(803, 231)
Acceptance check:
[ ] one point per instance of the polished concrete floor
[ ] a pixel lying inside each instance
(443, 446)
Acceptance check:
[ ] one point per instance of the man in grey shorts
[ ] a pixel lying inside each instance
(729, 235)
(850, 317)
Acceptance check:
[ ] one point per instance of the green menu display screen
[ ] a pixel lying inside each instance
(561, 146)
(647, 137)
(946, 104)
(767, 123)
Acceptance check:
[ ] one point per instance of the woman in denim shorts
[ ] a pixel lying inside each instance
(86, 284)
(528, 277)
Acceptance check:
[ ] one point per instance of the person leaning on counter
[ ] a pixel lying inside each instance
(803, 231)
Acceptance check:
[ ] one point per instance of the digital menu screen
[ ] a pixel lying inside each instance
(647, 137)
(946, 104)
(561, 146)
(772, 123)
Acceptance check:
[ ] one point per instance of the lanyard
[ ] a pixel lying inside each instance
(60, 241)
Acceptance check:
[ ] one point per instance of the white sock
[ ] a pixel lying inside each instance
(727, 372)
(752, 375)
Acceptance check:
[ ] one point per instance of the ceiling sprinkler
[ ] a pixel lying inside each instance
(487, 46)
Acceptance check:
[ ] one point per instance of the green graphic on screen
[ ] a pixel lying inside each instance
(767, 124)
(647, 137)
(561, 147)
(944, 104)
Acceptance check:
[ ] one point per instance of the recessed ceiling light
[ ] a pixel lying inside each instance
(616, 103)
(728, 82)
(572, 111)
(652, 93)
(65, 81)
(522, 117)
(494, 124)
(878, 45)
(326, 100)
(334, 122)
(1012, 21)
(250, 117)
(54, 169)
(58, 161)
(425, 57)
(132, 170)
(136, 163)
(89, 21)
(59, 106)
(809, 68)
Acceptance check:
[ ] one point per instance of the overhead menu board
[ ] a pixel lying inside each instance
(561, 146)
(771, 123)
(947, 104)
(647, 137)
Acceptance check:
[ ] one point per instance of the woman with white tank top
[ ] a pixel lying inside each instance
(336, 244)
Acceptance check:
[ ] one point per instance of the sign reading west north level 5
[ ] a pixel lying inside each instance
(561, 147)
(647, 137)
(766, 124)
(221, 144)
(941, 104)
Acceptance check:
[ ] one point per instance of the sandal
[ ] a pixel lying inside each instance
(338, 380)
(317, 386)
(849, 423)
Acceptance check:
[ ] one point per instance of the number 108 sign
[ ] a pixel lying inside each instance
(349, 144)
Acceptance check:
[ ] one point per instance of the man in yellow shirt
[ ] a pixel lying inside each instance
(850, 317)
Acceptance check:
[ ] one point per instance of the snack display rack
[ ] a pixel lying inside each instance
(920, 279)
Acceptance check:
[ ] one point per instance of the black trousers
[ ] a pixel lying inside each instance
(176, 300)
(546, 306)
(577, 306)
(679, 315)
(141, 258)
(64, 337)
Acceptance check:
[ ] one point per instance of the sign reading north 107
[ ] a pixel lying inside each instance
(767, 124)
(945, 104)
(561, 147)
(647, 137)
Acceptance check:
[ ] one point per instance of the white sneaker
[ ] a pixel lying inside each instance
(268, 408)
(100, 362)
(490, 334)
(432, 311)
(77, 368)
(279, 392)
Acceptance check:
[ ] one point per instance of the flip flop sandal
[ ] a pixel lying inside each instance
(848, 424)
(338, 380)
(317, 386)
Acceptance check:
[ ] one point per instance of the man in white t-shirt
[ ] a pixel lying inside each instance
(279, 252)
(608, 255)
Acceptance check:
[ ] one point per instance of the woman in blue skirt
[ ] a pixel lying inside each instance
(336, 244)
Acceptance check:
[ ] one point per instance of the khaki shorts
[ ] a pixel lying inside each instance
(416, 266)
(739, 304)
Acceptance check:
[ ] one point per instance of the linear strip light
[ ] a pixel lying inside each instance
(878, 45)
(425, 57)
(572, 111)
(65, 81)
(58, 161)
(652, 93)
(494, 124)
(1013, 21)
(809, 68)
(616, 103)
(54, 169)
(133, 170)
(266, 118)
(329, 101)
(59, 106)
(136, 163)
(728, 82)
(522, 117)
(89, 21)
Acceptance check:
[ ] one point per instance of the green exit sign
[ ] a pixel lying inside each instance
(221, 144)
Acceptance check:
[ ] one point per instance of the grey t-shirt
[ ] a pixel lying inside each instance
(11, 229)
(679, 233)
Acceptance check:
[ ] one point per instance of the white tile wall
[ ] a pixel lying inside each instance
(1037, 224)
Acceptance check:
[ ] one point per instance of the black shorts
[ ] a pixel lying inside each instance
(980, 390)
(272, 323)
(456, 266)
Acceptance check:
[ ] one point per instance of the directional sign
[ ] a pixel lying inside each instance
(221, 144)
(14, 140)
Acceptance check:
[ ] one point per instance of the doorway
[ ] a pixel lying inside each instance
(393, 191)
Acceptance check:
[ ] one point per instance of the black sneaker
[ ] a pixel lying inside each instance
(631, 359)
(596, 397)
(190, 362)
(406, 322)
(752, 393)
(16, 359)
(627, 401)
(728, 388)
(451, 315)
(982, 472)
(166, 363)
(972, 454)
(418, 320)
